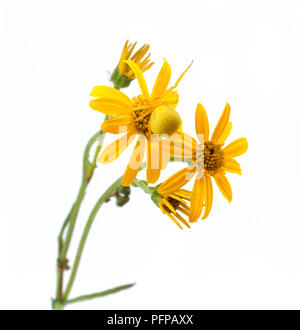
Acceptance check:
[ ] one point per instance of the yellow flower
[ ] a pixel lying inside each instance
(138, 58)
(172, 204)
(210, 159)
(133, 117)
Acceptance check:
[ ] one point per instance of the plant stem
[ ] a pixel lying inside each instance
(143, 185)
(107, 194)
(63, 228)
(70, 221)
(79, 198)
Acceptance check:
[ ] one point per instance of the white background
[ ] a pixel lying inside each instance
(247, 254)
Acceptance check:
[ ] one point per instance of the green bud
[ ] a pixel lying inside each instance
(118, 80)
(122, 195)
(122, 200)
(124, 190)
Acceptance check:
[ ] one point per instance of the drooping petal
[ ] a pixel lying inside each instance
(108, 108)
(201, 123)
(162, 80)
(226, 133)
(208, 197)
(224, 186)
(232, 166)
(177, 180)
(109, 93)
(197, 199)
(221, 125)
(236, 148)
(135, 162)
(171, 217)
(168, 205)
(114, 150)
(140, 78)
(181, 219)
(170, 99)
(117, 125)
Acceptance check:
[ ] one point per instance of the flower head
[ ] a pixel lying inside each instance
(174, 205)
(209, 159)
(133, 117)
(123, 74)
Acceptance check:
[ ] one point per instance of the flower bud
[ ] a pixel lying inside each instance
(164, 120)
(123, 74)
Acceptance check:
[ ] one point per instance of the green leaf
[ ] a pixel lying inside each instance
(100, 294)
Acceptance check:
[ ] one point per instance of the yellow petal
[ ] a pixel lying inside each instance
(163, 157)
(162, 80)
(181, 76)
(226, 133)
(201, 122)
(224, 186)
(186, 194)
(108, 108)
(170, 99)
(208, 197)
(177, 180)
(173, 219)
(181, 219)
(140, 78)
(114, 150)
(153, 159)
(221, 125)
(109, 93)
(236, 148)
(197, 199)
(180, 146)
(117, 125)
(190, 144)
(174, 196)
(135, 162)
(168, 205)
(152, 175)
(232, 166)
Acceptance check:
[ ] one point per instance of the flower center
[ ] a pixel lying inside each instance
(141, 112)
(213, 158)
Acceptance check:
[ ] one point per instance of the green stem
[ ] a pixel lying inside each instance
(107, 194)
(79, 198)
(143, 185)
(97, 151)
(62, 231)
(87, 174)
